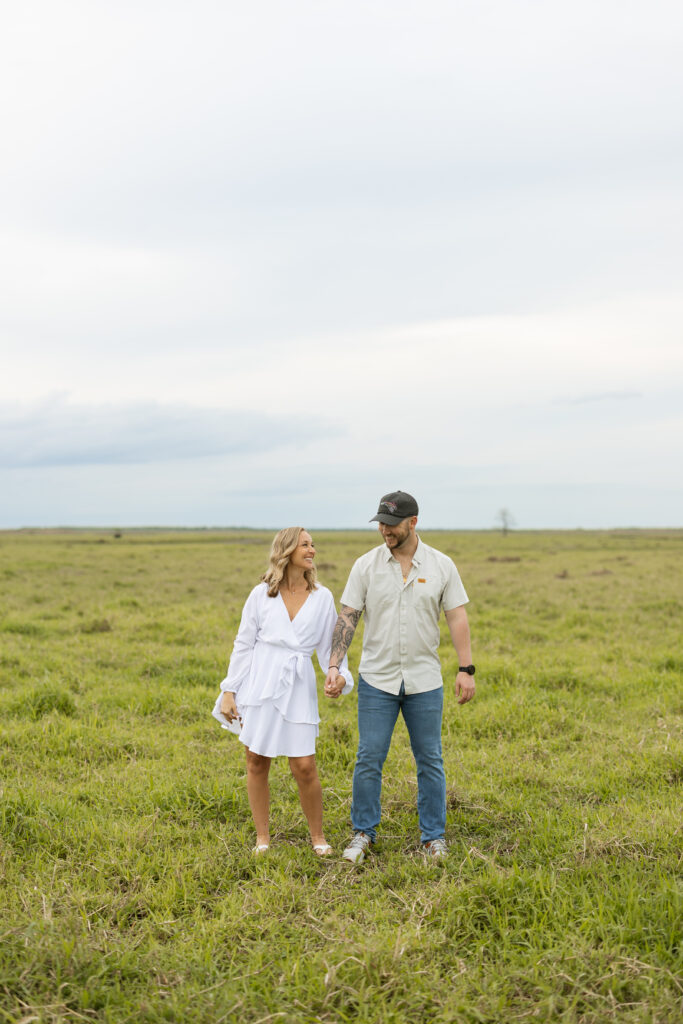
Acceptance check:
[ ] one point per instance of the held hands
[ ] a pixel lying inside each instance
(228, 706)
(334, 684)
(464, 687)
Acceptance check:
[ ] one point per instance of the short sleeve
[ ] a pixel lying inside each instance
(355, 590)
(454, 593)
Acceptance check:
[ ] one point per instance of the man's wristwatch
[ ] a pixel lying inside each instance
(470, 669)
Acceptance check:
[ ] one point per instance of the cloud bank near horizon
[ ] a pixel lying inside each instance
(57, 433)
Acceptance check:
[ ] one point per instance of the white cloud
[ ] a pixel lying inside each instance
(56, 433)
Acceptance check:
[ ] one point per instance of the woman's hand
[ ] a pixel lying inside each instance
(228, 706)
(335, 682)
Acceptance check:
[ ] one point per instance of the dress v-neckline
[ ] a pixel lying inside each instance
(298, 611)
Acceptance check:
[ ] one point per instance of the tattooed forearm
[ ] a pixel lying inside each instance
(343, 633)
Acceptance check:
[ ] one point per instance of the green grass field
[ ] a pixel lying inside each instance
(128, 890)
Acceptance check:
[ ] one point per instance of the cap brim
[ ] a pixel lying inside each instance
(381, 517)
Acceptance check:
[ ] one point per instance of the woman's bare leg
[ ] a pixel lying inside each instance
(258, 792)
(305, 772)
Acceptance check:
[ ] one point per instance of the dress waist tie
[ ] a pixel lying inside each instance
(282, 680)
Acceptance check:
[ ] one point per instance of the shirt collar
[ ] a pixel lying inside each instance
(417, 557)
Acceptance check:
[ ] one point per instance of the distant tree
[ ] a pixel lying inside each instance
(505, 520)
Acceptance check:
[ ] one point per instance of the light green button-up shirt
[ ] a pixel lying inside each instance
(401, 636)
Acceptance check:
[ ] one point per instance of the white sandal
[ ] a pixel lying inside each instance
(322, 849)
(261, 848)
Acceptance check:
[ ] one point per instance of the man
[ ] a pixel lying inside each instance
(402, 587)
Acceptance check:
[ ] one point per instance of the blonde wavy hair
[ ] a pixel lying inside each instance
(284, 544)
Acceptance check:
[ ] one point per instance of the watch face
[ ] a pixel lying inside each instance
(469, 669)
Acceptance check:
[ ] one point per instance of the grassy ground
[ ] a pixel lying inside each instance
(127, 889)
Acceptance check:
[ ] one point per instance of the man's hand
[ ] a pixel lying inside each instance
(228, 706)
(464, 687)
(335, 682)
(460, 635)
(342, 636)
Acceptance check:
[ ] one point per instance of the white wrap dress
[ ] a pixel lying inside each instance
(272, 676)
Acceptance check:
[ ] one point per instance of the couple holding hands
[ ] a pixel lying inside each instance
(269, 694)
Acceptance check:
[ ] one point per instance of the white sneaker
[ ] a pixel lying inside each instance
(355, 851)
(433, 849)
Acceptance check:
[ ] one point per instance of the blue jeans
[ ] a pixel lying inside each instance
(377, 714)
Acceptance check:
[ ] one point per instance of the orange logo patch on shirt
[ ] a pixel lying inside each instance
(421, 581)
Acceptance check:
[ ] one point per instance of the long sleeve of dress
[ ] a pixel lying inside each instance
(329, 621)
(243, 648)
(240, 659)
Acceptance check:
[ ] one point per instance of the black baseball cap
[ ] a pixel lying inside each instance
(394, 507)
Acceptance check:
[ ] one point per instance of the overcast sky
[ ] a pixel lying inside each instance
(261, 263)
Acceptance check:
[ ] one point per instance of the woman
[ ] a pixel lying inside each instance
(270, 688)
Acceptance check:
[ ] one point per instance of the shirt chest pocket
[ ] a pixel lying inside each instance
(426, 598)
